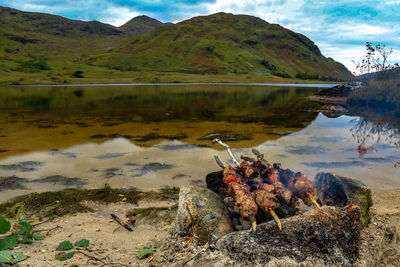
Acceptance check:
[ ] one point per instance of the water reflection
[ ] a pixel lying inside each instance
(373, 131)
(153, 137)
(48, 118)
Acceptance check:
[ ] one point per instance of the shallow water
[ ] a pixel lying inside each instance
(149, 137)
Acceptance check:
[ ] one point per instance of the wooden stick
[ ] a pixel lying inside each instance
(249, 159)
(203, 249)
(257, 153)
(118, 220)
(44, 230)
(216, 140)
(39, 223)
(219, 161)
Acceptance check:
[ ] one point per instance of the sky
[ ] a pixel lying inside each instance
(340, 28)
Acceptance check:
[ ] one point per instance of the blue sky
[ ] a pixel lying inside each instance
(340, 28)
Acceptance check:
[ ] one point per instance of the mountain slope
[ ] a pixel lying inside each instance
(140, 25)
(222, 43)
(25, 33)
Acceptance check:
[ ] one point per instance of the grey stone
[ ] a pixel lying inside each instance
(201, 214)
(335, 190)
(329, 234)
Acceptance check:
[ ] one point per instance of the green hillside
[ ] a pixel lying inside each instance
(44, 48)
(225, 43)
(21, 31)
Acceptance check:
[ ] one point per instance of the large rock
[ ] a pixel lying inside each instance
(201, 214)
(333, 111)
(335, 190)
(330, 235)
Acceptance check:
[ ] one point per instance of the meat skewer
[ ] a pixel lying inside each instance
(303, 188)
(268, 202)
(245, 201)
(256, 185)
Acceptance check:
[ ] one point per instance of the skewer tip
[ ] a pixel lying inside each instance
(313, 200)
(276, 218)
(315, 203)
(254, 225)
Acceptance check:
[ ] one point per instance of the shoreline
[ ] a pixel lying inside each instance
(314, 85)
(109, 239)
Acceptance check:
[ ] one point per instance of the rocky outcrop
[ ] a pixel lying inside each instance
(201, 214)
(335, 190)
(330, 235)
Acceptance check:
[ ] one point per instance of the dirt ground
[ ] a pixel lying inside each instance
(109, 242)
(113, 245)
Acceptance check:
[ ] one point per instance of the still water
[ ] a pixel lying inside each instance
(152, 136)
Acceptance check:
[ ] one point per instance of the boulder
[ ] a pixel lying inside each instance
(333, 111)
(335, 190)
(329, 234)
(201, 214)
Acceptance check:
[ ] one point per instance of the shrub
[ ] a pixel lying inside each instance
(35, 64)
(78, 74)
(307, 76)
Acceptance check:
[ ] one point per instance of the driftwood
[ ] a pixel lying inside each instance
(118, 220)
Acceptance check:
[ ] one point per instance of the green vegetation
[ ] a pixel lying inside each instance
(154, 214)
(21, 233)
(224, 43)
(35, 64)
(380, 95)
(67, 245)
(144, 253)
(78, 74)
(69, 201)
(41, 48)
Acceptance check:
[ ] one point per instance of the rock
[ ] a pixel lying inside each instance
(201, 213)
(333, 111)
(335, 190)
(329, 234)
(214, 182)
(341, 90)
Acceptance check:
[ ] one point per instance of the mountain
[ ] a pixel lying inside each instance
(139, 25)
(222, 43)
(27, 31)
(38, 47)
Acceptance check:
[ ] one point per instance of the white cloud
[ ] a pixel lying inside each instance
(272, 11)
(117, 16)
(364, 29)
(33, 7)
(345, 54)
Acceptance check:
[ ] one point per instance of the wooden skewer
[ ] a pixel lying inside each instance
(254, 225)
(216, 140)
(219, 161)
(313, 200)
(276, 218)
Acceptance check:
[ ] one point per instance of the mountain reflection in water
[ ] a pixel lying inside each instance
(153, 136)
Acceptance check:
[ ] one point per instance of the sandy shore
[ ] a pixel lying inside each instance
(111, 243)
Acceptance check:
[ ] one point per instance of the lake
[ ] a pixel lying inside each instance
(153, 136)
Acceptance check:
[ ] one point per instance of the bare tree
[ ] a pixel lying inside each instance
(375, 63)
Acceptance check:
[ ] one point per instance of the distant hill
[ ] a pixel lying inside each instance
(53, 33)
(140, 25)
(43, 47)
(221, 43)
